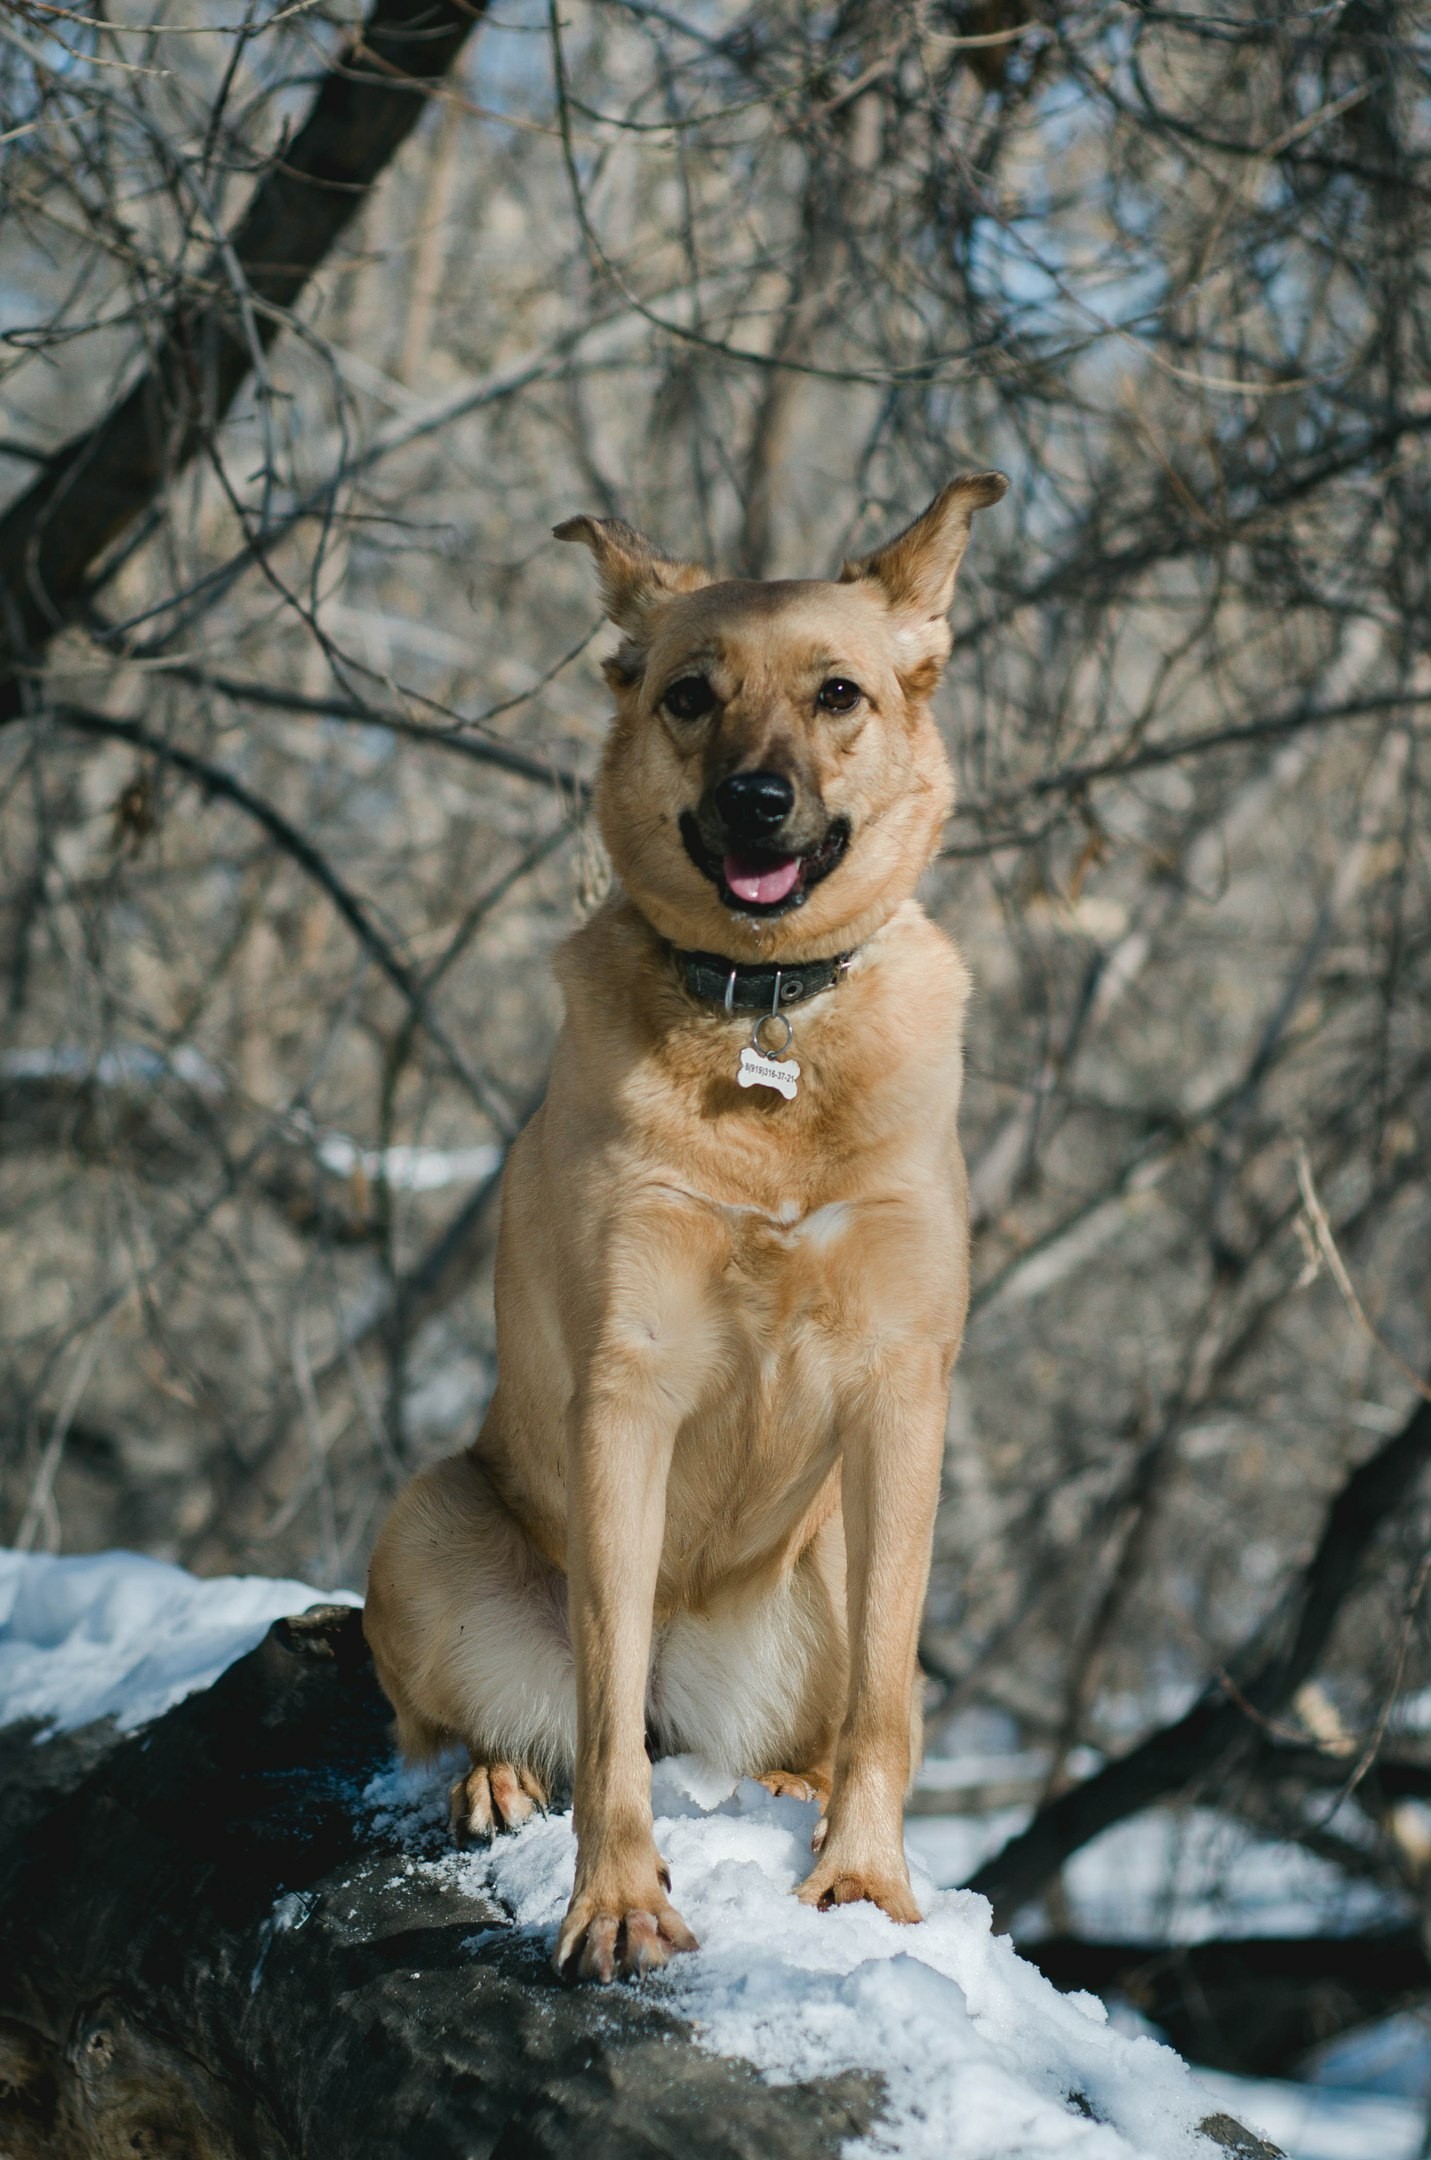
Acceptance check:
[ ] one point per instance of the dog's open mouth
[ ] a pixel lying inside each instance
(765, 881)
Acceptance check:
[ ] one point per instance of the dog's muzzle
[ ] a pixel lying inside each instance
(737, 843)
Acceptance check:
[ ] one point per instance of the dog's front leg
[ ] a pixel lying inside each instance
(892, 1450)
(620, 1919)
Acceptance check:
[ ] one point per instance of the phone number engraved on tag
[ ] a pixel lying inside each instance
(757, 1070)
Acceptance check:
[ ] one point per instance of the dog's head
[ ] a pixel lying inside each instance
(774, 785)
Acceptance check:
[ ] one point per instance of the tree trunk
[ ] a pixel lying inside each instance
(93, 489)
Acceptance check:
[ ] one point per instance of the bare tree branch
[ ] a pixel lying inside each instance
(93, 489)
(1229, 1717)
(227, 787)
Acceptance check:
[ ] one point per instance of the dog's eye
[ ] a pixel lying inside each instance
(689, 699)
(839, 694)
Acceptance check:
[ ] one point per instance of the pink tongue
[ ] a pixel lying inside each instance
(765, 883)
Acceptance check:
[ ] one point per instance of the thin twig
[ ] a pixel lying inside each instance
(1326, 1246)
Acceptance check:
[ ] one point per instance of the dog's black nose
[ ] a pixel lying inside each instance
(753, 804)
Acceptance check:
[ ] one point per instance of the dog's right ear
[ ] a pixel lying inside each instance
(635, 577)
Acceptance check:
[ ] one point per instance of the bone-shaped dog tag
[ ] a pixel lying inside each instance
(758, 1070)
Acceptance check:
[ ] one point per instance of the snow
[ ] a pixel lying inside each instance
(126, 1065)
(1177, 1875)
(114, 1635)
(1392, 2056)
(409, 1169)
(1314, 2124)
(137, 1068)
(980, 2056)
(949, 1848)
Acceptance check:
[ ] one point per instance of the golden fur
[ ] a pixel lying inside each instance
(701, 1502)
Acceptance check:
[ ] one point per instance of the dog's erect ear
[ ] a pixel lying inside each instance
(633, 574)
(918, 567)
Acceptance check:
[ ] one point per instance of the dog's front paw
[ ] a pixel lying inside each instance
(605, 1938)
(833, 1883)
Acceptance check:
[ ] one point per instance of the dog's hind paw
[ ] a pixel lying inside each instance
(797, 1785)
(493, 1797)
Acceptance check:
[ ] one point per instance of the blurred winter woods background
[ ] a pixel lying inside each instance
(300, 709)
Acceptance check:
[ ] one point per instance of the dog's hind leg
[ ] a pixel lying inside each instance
(468, 1628)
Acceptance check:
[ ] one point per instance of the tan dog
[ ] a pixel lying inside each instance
(699, 1511)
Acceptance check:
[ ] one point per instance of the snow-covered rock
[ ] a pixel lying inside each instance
(978, 2056)
(113, 1635)
(981, 2056)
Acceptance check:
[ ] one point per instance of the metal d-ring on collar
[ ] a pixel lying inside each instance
(765, 1019)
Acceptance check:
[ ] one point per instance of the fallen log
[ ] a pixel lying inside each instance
(1228, 1723)
(1255, 2005)
(209, 1948)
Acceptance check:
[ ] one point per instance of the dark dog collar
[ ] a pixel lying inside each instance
(759, 988)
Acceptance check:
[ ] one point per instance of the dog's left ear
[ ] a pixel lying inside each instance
(917, 570)
(634, 575)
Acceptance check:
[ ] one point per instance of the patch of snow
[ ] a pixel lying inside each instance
(980, 2055)
(1317, 2125)
(1392, 2056)
(406, 1168)
(1413, 1713)
(116, 1635)
(138, 1068)
(949, 1848)
(1178, 1875)
(954, 1773)
(127, 1065)
(1188, 1874)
